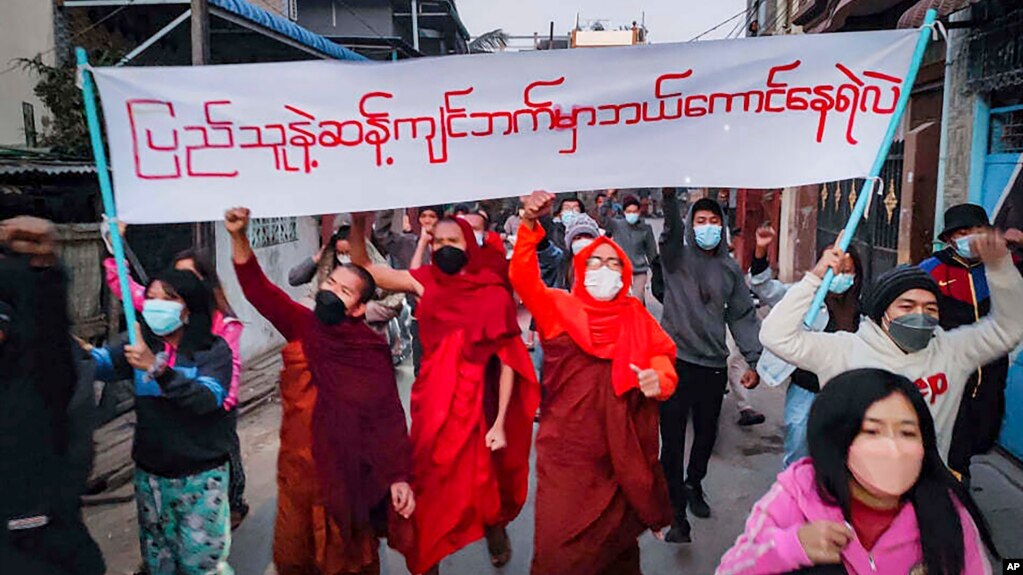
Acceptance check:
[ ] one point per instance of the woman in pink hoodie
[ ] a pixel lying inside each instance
(873, 497)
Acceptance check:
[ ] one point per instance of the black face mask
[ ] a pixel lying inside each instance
(450, 259)
(330, 310)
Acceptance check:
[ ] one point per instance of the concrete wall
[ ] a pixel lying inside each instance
(259, 337)
(26, 29)
(960, 124)
(326, 18)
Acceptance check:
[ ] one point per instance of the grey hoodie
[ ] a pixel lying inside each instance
(703, 293)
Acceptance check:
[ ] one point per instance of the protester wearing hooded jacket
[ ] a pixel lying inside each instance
(607, 363)
(704, 292)
(964, 300)
(874, 498)
(943, 363)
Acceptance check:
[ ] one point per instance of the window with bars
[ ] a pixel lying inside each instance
(1007, 131)
(266, 232)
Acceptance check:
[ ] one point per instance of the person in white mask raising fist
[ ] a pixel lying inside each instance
(607, 365)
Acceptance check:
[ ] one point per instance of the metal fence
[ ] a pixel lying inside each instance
(877, 238)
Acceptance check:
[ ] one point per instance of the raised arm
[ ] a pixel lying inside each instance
(674, 230)
(761, 278)
(1002, 330)
(524, 268)
(269, 300)
(782, 331)
(422, 245)
(386, 277)
(138, 292)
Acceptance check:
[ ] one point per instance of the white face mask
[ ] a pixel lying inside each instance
(344, 259)
(479, 238)
(604, 283)
(580, 245)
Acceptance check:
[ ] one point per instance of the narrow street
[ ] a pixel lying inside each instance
(744, 465)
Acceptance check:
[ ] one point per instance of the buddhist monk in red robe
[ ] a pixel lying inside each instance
(345, 459)
(473, 402)
(607, 363)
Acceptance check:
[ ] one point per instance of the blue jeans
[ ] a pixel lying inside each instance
(797, 412)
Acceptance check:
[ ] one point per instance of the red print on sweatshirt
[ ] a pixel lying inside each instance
(933, 386)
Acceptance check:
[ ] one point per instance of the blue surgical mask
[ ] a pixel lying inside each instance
(162, 316)
(963, 247)
(632, 218)
(708, 236)
(479, 238)
(568, 217)
(841, 283)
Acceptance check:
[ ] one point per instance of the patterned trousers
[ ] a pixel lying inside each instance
(184, 523)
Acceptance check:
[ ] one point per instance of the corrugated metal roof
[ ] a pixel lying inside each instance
(46, 167)
(287, 28)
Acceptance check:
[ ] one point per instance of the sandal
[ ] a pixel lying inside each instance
(499, 546)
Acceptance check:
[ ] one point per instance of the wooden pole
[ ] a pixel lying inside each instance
(202, 232)
(200, 33)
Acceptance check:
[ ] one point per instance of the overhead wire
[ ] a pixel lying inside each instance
(74, 36)
(701, 35)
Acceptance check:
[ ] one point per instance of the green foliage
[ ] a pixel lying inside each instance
(66, 133)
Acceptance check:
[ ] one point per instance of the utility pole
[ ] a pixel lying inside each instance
(202, 233)
(200, 32)
(415, 24)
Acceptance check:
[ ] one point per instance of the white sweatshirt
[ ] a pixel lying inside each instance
(940, 370)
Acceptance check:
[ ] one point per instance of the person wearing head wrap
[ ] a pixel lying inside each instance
(474, 399)
(331, 514)
(965, 299)
(901, 332)
(606, 365)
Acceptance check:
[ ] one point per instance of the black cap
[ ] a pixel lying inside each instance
(892, 284)
(708, 205)
(963, 216)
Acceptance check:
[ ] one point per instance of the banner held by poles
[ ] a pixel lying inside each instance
(866, 191)
(105, 188)
(188, 142)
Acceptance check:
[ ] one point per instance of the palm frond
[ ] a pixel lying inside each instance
(493, 41)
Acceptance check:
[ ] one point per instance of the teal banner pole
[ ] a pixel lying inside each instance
(886, 145)
(106, 189)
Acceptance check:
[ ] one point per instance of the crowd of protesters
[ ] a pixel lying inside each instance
(888, 395)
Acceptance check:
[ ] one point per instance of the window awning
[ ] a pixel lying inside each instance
(914, 17)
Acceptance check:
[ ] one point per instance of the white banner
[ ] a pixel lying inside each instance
(318, 137)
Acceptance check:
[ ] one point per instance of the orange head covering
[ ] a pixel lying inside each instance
(620, 329)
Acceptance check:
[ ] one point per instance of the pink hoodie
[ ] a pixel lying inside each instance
(771, 544)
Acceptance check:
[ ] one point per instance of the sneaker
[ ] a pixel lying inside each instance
(694, 495)
(681, 531)
(748, 417)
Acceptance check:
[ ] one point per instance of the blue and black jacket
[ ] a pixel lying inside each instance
(182, 427)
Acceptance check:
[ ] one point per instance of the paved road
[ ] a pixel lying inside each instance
(742, 469)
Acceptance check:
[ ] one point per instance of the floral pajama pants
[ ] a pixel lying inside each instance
(184, 523)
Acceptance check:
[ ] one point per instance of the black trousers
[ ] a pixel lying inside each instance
(63, 547)
(700, 393)
(236, 487)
